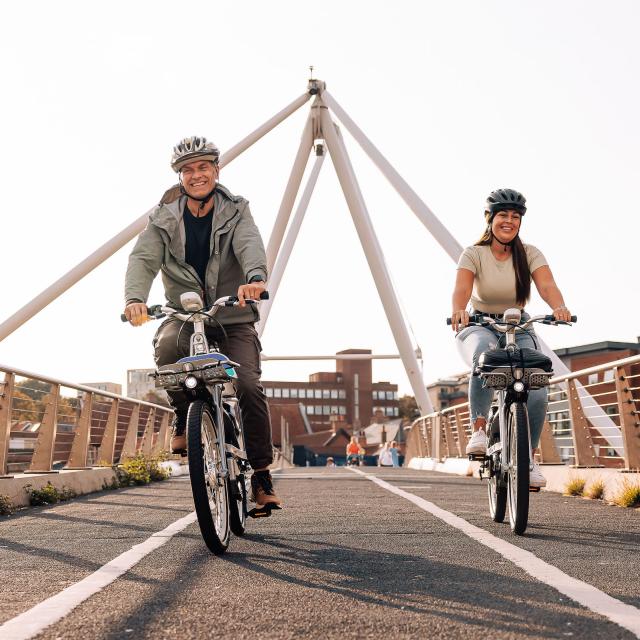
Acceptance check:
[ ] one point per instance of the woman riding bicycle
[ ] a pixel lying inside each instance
(495, 274)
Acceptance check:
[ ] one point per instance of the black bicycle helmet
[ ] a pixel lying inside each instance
(503, 199)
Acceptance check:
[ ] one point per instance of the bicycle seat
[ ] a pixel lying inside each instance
(525, 357)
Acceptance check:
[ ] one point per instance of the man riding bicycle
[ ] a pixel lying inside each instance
(204, 239)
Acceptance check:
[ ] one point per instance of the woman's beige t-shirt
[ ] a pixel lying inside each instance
(494, 285)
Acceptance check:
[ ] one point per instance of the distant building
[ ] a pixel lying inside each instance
(320, 412)
(140, 384)
(109, 387)
(448, 392)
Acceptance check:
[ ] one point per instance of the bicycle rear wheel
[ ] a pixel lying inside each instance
(208, 484)
(496, 488)
(238, 487)
(518, 483)
(497, 496)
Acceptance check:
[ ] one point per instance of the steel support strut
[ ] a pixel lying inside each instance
(375, 258)
(275, 276)
(290, 193)
(118, 241)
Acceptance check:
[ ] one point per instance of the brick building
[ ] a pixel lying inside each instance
(331, 404)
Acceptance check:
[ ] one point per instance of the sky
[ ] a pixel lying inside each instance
(461, 97)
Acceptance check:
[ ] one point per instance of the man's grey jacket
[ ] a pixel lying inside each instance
(237, 254)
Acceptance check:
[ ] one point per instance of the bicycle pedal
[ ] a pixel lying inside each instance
(534, 489)
(263, 512)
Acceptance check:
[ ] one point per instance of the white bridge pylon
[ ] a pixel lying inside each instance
(321, 130)
(320, 126)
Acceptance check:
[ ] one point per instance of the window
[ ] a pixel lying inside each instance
(302, 393)
(326, 394)
(294, 393)
(342, 411)
(277, 393)
(609, 375)
(593, 378)
(396, 411)
(375, 395)
(342, 394)
(285, 393)
(334, 409)
(317, 393)
(389, 395)
(310, 409)
(395, 395)
(389, 411)
(269, 392)
(318, 409)
(326, 410)
(334, 394)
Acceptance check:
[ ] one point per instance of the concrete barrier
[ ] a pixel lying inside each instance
(557, 475)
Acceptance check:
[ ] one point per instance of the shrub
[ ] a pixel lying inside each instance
(629, 494)
(111, 486)
(6, 506)
(596, 490)
(574, 486)
(140, 470)
(48, 494)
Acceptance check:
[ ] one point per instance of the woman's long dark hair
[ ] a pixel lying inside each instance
(520, 264)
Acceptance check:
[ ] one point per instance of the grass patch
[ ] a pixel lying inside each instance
(6, 506)
(595, 491)
(141, 470)
(48, 494)
(629, 494)
(574, 486)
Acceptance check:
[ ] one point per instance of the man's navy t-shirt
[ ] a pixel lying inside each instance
(197, 241)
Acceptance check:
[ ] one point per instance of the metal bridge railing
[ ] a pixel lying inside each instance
(48, 424)
(596, 424)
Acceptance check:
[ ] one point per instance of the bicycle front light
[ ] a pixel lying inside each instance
(518, 386)
(191, 382)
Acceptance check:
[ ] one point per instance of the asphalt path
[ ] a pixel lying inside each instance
(346, 558)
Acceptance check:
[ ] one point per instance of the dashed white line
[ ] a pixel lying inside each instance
(32, 622)
(581, 592)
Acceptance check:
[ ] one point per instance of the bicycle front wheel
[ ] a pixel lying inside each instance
(208, 482)
(518, 483)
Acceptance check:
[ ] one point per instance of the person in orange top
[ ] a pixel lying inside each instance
(353, 450)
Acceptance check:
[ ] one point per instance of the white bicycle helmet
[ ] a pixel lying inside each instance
(193, 148)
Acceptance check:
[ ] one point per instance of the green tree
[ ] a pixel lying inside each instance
(408, 408)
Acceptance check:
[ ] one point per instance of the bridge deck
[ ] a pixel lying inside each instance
(346, 559)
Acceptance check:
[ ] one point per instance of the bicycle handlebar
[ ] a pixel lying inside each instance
(157, 311)
(483, 321)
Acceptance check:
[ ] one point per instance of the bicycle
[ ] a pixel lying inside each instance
(512, 371)
(218, 466)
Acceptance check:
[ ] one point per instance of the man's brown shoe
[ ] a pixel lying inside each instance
(262, 492)
(178, 435)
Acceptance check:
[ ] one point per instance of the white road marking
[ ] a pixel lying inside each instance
(32, 622)
(583, 593)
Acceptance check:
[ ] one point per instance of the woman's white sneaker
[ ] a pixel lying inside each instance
(536, 479)
(478, 443)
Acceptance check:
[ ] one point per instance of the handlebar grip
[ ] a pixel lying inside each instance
(551, 318)
(574, 318)
(154, 311)
(264, 295)
(448, 321)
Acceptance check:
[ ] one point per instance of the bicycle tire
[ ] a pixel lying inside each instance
(238, 503)
(496, 488)
(210, 498)
(518, 483)
(497, 497)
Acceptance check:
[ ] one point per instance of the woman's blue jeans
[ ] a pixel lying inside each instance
(471, 342)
